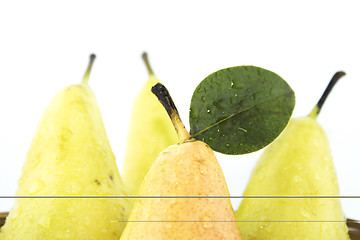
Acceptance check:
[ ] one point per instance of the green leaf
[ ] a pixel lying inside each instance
(241, 109)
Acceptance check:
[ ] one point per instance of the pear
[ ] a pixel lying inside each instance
(70, 163)
(180, 194)
(150, 132)
(297, 167)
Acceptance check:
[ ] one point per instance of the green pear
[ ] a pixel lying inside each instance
(298, 163)
(150, 132)
(176, 193)
(70, 157)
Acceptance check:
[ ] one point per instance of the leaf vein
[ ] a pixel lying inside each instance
(242, 110)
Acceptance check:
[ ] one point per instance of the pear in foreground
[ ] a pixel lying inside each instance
(69, 156)
(181, 182)
(150, 132)
(298, 163)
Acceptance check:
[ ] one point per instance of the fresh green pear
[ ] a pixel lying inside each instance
(70, 157)
(150, 132)
(176, 193)
(298, 163)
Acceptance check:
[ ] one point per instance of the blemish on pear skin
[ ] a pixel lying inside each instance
(201, 161)
(207, 146)
(111, 177)
(97, 182)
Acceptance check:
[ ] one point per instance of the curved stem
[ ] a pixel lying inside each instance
(164, 97)
(316, 110)
(147, 63)
(88, 70)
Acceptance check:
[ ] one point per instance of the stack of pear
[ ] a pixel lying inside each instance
(70, 157)
(298, 164)
(176, 200)
(150, 132)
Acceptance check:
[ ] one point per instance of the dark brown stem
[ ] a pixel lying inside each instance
(88, 70)
(332, 83)
(147, 63)
(316, 110)
(164, 97)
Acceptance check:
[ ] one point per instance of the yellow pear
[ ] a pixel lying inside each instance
(69, 157)
(150, 132)
(297, 167)
(176, 200)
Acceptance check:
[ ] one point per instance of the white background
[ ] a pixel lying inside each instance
(44, 46)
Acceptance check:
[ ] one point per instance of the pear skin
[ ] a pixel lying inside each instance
(180, 184)
(150, 132)
(298, 163)
(70, 155)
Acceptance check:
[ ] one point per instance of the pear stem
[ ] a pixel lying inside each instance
(147, 63)
(88, 70)
(316, 110)
(164, 97)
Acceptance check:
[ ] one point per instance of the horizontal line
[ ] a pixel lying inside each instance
(235, 221)
(157, 197)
